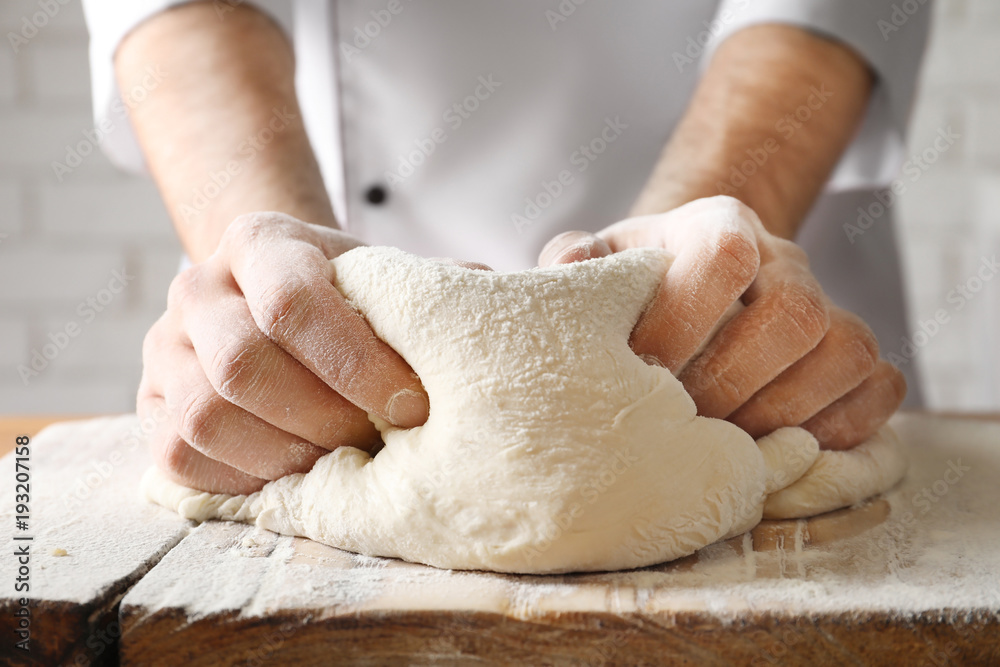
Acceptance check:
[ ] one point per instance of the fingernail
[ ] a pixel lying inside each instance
(652, 360)
(408, 408)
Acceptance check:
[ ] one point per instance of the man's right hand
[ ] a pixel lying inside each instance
(260, 366)
(790, 358)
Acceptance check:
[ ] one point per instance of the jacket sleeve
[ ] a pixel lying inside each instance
(108, 22)
(890, 35)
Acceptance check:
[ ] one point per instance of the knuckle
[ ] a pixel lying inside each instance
(851, 333)
(234, 368)
(714, 392)
(806, 309)
(792, 251)
(183, 287)
(170, 453)
(197, 415)
(151, 341)
(896, 383)
(776, 414)
(348, 428)
(143, 393)
(739, 256)
(245, 228)
(828, 428)
(730, 203)
(735, 209)
(732, 391)
(280, 307)
(250, 228)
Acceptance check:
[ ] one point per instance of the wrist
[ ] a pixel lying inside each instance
(284, 179)
(201, 239)
(677, 190)
(741, 135)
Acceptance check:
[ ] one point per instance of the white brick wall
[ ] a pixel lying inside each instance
(63, 240)
(11, 212)
(8, 77)
(116, 210)
(59, 73)
(950, 219)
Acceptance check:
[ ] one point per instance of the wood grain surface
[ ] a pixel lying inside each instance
(91, 539)
(907, 578)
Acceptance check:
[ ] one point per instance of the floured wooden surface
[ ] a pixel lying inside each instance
(909, 577)
(92, 538)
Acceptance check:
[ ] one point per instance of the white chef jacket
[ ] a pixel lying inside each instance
(479, 130)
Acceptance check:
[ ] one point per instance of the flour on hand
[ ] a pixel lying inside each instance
(550, 446)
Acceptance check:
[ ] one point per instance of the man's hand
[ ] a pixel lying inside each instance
(789, 358)
(261, 366)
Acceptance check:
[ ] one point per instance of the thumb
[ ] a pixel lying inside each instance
(573, 247)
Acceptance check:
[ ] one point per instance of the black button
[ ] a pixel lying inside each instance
(376, 195)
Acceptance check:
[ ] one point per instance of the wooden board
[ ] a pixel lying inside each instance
(84, 502)
(910, 578)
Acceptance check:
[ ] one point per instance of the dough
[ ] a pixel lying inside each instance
(550, 446)
(841, 478)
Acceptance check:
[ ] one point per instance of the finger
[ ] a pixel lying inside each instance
(855, 417)
(710, 272)
(288, 284)
(185, 465)
(844, 359)
(220, 430)
(786, 317)
(251, 371)
(571, 247)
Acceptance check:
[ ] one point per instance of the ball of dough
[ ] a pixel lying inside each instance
(550, 446)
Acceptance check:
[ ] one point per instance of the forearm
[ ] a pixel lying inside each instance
(746, 134)
(223, 134)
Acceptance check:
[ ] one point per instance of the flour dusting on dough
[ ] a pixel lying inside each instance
(550, 446)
